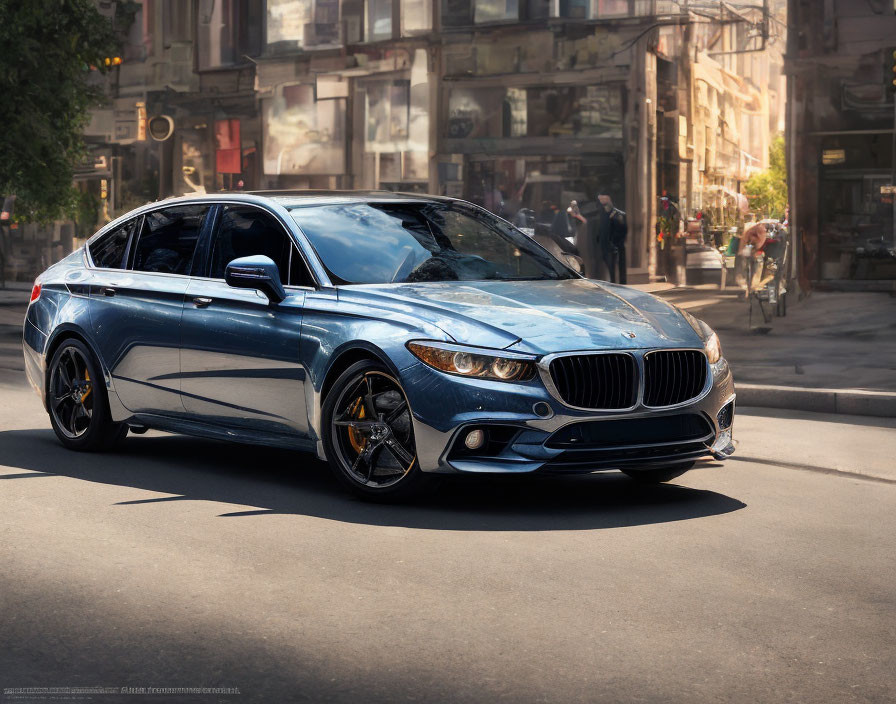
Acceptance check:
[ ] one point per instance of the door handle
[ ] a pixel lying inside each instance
(108, 291)
(202, 301)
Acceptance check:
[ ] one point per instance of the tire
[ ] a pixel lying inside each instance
(658, 475)
(375, 460)
(77, 405)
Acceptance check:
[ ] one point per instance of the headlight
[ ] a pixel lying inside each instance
(466, 361)
(710, 340)
(713, 348)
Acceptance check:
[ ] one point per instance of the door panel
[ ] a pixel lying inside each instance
(136, 324)
(240, 358)
(135, 315)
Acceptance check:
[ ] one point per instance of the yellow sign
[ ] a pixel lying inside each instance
(141, 121)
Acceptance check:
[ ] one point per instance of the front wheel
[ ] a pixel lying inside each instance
(77, 401)
(368, 435)
(658, 475)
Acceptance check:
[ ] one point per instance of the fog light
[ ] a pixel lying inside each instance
(475, 439)
(542, 409)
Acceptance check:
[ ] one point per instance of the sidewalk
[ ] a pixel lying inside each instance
(833, 352)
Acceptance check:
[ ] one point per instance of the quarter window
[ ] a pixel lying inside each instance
(168, 239)
(246, 232)
(109, 251)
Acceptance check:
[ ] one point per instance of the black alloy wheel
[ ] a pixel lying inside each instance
(658, 475)
(369, 435)
(77, 400)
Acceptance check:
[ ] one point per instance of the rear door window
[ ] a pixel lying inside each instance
(110, 250)
(168, 239)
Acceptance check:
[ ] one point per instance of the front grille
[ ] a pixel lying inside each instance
(599, 381)
(680, 428)
(673, 376)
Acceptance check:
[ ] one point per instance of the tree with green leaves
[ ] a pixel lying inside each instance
(767, 190)
(51, 50)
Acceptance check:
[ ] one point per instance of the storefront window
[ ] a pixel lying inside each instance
(613, 8)
(416, 16)
(303, 135)
(856, 208)
(567, 111)
(379, 20)
(228, 30)
(574, 111)
(302, 23)
(387, 111)
(396, 129)
(456, 13)
(531, 192)
(575, 9)
(476, 113)
(148, 13)
(496, 10)
(176, 26)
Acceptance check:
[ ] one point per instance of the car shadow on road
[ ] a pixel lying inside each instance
(275, 481)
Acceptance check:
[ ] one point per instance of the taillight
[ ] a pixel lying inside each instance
(35, 292)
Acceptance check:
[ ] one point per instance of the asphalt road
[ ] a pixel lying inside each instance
(178, 562)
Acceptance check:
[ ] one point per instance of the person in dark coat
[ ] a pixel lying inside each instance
(610, 231)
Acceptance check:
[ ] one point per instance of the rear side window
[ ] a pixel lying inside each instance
(109, 251)
(168, 239)
(245, 232)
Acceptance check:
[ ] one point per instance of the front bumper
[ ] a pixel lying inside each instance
(539, 433)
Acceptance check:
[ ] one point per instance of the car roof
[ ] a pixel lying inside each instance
(289, 199)
(295, 198)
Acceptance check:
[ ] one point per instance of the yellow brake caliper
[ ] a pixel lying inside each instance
(357, 441)
(89, 386)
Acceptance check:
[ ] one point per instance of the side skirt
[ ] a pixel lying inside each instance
(184, 426)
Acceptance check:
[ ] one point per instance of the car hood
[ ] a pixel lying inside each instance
(536, 316)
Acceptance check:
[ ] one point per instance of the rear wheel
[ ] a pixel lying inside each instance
(368, 435)
(658, 475)
(77, 400)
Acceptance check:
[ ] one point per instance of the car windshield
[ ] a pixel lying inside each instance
(380, 243)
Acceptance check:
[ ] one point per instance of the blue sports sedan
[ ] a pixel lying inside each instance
(399, 337)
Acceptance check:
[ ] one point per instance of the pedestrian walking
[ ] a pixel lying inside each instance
(610, 231)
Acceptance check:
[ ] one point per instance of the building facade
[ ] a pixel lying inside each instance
(841, 66)
(518, 106)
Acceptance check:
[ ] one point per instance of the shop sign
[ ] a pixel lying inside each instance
(141, 121)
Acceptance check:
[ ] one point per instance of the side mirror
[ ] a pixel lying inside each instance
(258, 272)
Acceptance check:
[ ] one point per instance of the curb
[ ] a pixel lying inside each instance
(844, 401)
